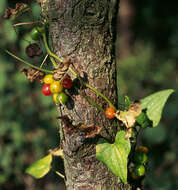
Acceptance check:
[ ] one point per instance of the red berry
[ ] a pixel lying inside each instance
(110, 111)
(46, 89)
(67, 83)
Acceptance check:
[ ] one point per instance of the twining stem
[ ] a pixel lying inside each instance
(100, 94)
(90, 101)
(72, 71)
(53, 62)
(50, 52)
(92, 88)
(27, 63)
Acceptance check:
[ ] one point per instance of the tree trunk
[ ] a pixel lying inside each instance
(85, 31)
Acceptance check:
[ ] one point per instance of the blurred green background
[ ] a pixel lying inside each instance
(147, 56)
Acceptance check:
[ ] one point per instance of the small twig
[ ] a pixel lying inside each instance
(25, 23)
(44, 60)
(59, 174)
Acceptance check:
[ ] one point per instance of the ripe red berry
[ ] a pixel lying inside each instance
(46, 89)
(110, 112)
(67, 83)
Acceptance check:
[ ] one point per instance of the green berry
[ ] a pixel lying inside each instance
(140, 157)
(139, 170)
(62, 98)
(36, 32)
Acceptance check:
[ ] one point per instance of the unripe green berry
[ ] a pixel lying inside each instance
(36, 32)
(62, 98)
(139, 170)
(140, 157)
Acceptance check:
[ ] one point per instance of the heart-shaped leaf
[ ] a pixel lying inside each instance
(115, 156)
(41, 167)
(154, 105)
(143, 120)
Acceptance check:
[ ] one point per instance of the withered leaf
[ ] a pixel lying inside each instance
(91, 130)
(69, 128)
(57, 152)
(20, 8)
(7, 13)
(32, 74)
(62, 69)
(129, 117)
(33, 50)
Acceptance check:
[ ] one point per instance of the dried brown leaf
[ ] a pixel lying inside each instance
(57, 152)
(7, 13)
(88, 131)
(17, 11)
(129, 117)
(62, 69)
(91, 130)
(33, 50)
(32, 74)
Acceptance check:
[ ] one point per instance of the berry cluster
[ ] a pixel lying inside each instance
(140, 158)
(53, 85)
(55, 88)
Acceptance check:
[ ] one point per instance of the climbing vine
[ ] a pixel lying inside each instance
(134, 115)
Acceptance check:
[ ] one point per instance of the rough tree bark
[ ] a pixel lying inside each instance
(85, 31)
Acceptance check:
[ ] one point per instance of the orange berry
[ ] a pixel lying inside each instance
(110, 111)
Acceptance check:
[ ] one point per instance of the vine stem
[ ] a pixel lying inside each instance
(90, 101)
(50, 52)
(92, 88)
(53, 62)
(27, 63)
(72, 71)
(100, 94)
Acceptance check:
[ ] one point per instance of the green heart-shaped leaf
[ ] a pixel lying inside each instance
(41, 167)
(154, 105)
(143, 120)
(115, 156)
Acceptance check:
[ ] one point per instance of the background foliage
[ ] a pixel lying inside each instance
(28, 125)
